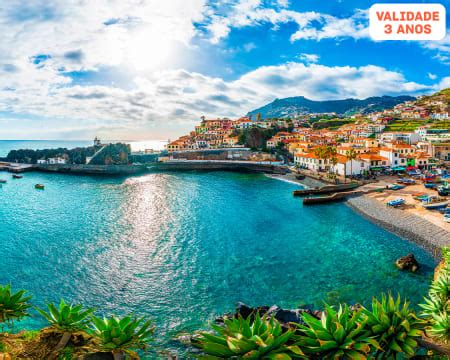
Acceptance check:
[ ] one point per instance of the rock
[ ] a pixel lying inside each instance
(408, 263)
(99, 356)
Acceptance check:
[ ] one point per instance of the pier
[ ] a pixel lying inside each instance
(328, 189)
(16, 167)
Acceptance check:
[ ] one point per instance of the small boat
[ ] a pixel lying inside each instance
(15, 176)
(396, 202)
(434, 203)
(300, 177)
(447, 218)
(396, 187)
(2, 181)
(39, 186)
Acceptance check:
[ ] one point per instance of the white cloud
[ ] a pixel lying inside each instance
(441, 49)
(161, 100)
(104, 32)
(309, 58)
(432, 76)
(311, 25)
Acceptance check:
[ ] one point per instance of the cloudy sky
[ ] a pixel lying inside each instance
(148, 69)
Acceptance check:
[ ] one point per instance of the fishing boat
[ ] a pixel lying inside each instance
(406, 181)
(15, 176)
(39, 186)
(396, 202)
(430, 185)
(434, 203)
(396, 187)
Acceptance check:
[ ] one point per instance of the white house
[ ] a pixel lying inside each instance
(406, 137)
(348, 167)
(309, 161)
(397, 154)
(56, 160)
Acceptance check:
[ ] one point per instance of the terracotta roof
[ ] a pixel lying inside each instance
(371, 157)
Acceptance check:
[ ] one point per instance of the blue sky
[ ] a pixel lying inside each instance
(149, 69)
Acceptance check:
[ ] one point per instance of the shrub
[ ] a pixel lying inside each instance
(67, 317)
(121, 335)
(261, 338)
(436, 309)
(395, 326)
(13, 306)
(337, 335)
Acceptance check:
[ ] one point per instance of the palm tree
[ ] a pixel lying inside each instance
(322, 153)
(351, 155)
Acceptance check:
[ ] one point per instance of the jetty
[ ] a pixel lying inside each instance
(327, 189)
(222, 165)
(16, 167)
(338, 196)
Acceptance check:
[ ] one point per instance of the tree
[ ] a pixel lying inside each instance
(351, 155)
(258, 117)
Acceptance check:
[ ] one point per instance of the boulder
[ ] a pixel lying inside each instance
(408, 263)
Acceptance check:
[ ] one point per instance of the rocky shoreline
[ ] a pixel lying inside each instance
(406, 225)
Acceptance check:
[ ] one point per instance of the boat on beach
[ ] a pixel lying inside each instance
(434, 203)
(396, 202)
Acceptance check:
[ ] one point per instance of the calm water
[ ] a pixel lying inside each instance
(185, 247)
(8, 145)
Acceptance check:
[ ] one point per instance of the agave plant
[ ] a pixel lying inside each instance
(436, 308)
(337, 335)
(255, 337)
(67, 319)
(13, 306)
(120, 336)
(395, 325)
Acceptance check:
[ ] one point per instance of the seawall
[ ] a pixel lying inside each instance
(92, 169)
(406, 225)
(221, 166)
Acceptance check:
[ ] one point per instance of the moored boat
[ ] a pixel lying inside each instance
(396, 202)
(2, 181)
(39, 186)
(434, 202)
(15, 176)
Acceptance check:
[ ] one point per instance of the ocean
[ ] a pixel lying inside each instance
(183, 248)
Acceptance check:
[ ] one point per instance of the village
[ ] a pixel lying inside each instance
(410, 136)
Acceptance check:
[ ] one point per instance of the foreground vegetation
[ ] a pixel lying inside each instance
(389, 329)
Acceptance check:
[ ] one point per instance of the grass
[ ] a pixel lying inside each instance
(3, 347)
(404, 125)
(66, 353)
(29, 335)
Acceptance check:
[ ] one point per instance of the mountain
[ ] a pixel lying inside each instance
(299, 105)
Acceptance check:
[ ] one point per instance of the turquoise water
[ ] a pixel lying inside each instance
(182, 248)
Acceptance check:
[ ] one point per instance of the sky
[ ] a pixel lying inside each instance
(149, 69)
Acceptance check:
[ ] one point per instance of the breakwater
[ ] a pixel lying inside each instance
(92, 169)
(239, 166)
